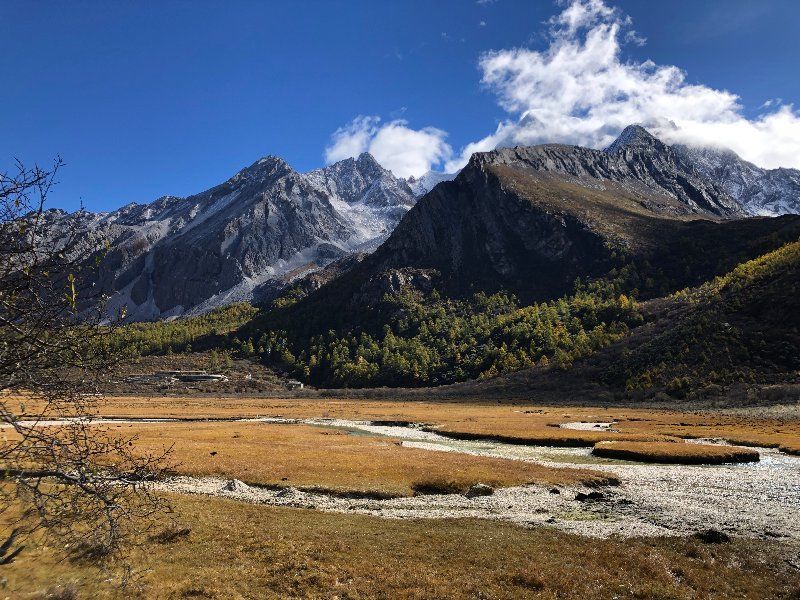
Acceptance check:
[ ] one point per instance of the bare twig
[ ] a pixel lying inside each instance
(75, 479)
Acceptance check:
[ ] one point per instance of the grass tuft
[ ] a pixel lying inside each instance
(675, 453)
(529, 581)
(429, 487)
(170, 534)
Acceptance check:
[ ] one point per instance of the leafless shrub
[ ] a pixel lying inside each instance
(58, 470)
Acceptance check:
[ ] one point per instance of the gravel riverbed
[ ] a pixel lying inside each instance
(756, 500)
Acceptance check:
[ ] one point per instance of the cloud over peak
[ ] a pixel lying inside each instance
(580, 90)
(396, 146)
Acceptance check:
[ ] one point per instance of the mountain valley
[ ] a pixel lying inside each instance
(542, 258)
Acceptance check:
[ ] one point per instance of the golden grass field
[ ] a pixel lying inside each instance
(671, 452)
(525, 423)
(237, 551)
(329, 459)
(311, 457)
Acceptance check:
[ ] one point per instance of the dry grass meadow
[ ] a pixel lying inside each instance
(235, 551)
(228, 549)
(311, 457)
(509, 422)
(675, 452)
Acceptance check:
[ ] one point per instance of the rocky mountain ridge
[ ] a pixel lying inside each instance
(638, 155)
(530, 221)
(766, 192)
(542, 214)
(240, 240)
(547, 213)
(760, 192)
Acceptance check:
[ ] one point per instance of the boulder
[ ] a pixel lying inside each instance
(712, 536)
(234, 485)
(479, 489)
(591, 496)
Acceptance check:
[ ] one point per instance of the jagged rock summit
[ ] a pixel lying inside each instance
(658, 165)
(758, 191)
(533, 220)
(636, 137)
(363, 181)
(241, 240)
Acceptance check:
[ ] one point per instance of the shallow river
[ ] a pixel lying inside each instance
(755, 499)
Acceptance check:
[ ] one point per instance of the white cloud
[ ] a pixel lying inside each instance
(582, 14)
(397, 147)
(352, 139)
(581, 90)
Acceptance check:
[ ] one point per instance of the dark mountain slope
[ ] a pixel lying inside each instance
(515, 227)
(736, 338)
(744, 326)
(531, 221)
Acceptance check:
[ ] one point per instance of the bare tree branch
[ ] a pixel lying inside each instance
(60, 471)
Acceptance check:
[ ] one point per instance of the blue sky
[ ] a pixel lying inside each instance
(143, 99)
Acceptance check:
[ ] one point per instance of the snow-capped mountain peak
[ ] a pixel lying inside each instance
(243, 239)
(758, 191)
(425, 183)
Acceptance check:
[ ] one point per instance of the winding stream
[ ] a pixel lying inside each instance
(755, 499)
(759, 499)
